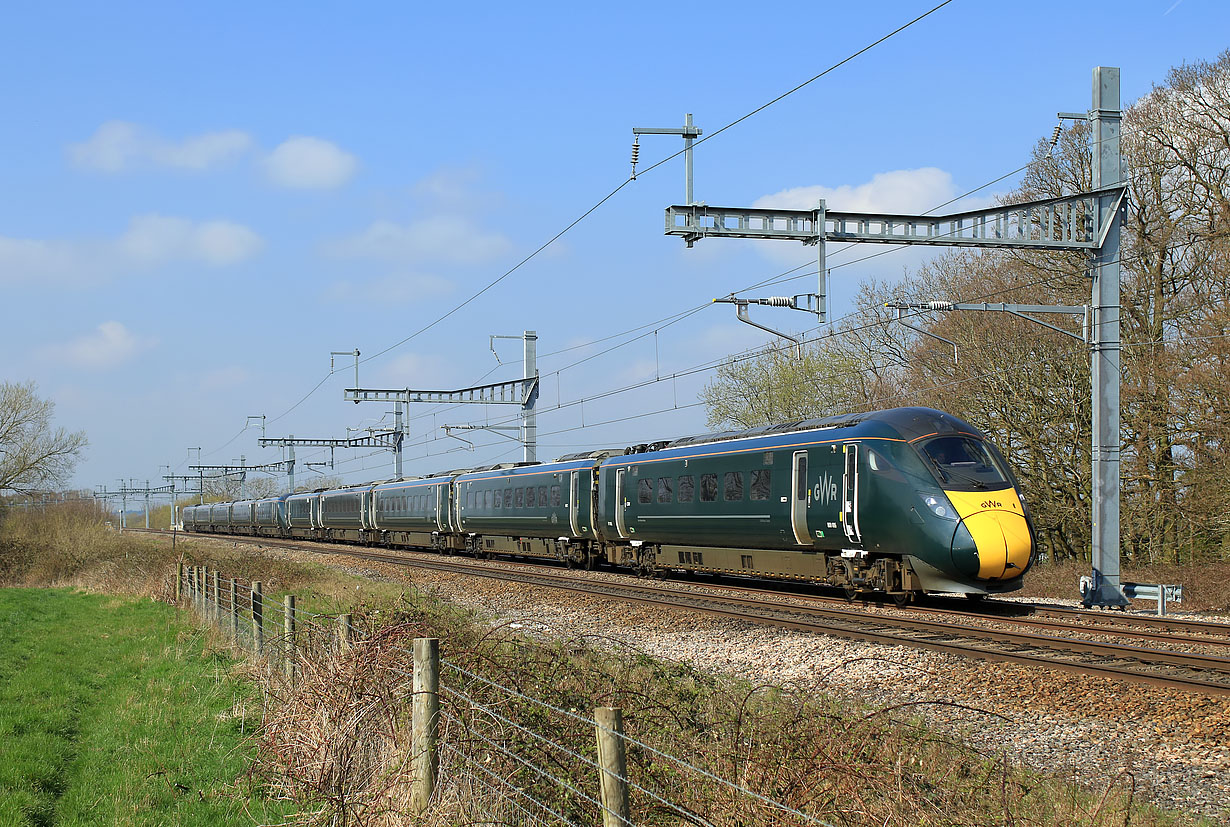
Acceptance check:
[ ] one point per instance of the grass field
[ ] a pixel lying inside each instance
(117, 711)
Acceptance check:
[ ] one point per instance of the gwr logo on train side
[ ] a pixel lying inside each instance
(992, 504)
(826, 490)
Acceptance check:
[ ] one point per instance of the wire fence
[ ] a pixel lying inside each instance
(480, 741)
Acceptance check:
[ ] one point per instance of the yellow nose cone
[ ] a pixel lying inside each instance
(996, 521)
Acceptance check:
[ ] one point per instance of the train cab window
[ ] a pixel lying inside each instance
(687, 488)
(708, 488)
(508, 497)
(556, 498)
(542, 496)
(665, 489)
(529, 496)
(732, 487)
(964, 463)
(644, 490)
(761, 484)
(518, 497)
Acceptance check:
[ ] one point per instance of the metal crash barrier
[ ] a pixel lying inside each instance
(1163, 594)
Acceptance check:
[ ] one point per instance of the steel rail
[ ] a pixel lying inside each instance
(1199, 673)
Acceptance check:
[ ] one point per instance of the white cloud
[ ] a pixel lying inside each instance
(224, 378)
(149, 242)
(904, 191)
(419, 370)
(396, 289)
(451, 185)
(310, 163)
(445, 238)
(108, 346)
(120, 146)
(156, 239)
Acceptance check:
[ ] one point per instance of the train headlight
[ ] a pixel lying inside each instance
(939, 506)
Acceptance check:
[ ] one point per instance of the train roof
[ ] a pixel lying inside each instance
(910, 423)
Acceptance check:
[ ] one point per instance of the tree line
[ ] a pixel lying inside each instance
(1028, 387)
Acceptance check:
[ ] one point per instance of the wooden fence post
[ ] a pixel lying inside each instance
(179, 582)
(345, 632)
(217, 611)
(288, 630)
(425, 723)
(616, 811)
(234, 611)
(258, 620)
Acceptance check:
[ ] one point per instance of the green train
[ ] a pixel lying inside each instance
(900, 502)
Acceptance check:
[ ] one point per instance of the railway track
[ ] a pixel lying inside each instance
(1197, 672)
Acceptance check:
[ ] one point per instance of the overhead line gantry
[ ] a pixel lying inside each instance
(1089, 221)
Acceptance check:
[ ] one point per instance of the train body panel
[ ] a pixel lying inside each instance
(546, 500)
(411, 505)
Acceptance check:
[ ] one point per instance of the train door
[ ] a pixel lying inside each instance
(849, 494)
(441, 505)
(621, 503)
(800, 498)
(574, 503)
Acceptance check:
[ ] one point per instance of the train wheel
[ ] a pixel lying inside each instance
(849, 593)
(901, 599)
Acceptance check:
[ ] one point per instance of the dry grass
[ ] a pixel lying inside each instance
(518, 748)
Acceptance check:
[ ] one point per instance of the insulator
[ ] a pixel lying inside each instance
(779, 301)
(1055, 136)
(939, 305)
(636, 153)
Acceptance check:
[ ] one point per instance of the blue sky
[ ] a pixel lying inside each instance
(199, 204)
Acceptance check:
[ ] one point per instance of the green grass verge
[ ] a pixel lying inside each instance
(117, 711)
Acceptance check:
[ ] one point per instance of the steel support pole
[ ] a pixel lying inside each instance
(1107, 172)
(529, 418)
(687, 159)
(822, 286)
(290, 469)
(397, 438)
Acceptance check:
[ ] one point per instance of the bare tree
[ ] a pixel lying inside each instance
(34, 456)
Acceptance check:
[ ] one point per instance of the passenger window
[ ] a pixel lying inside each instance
(556, 499)
(508, 498)
(518, 497)
(761, 484)
(529, 496)
(687, 488)
(644, 490)
(542, 496)
(499, 499)
(487, 500)
(708, 488)
(801, 487)
(733, 486)
(665, 494)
